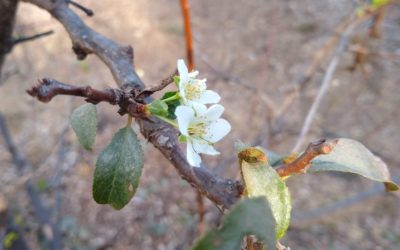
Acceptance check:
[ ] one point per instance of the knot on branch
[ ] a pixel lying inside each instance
(80, 51)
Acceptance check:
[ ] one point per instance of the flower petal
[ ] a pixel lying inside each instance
(184, 115)
(217, 130)
(199, 108)
(209, 96)
(183, 71)
(192, 156)
(204, 147)
(202, 84)
(193, 74)
(214, 112)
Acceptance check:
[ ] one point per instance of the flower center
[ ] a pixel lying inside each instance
(197, 129)
(192, 91)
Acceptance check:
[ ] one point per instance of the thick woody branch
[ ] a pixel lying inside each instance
(303, 162)
(119, 59)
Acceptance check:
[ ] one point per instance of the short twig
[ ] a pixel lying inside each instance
(302, 163)
(163, 84)
(49, 88)
(33, 37)
(87, 11)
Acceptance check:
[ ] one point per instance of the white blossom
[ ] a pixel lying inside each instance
(194, 90)
(202, 128)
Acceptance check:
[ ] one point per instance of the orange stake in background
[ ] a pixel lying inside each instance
(188, 33)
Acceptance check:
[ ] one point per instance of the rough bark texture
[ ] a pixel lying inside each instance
(8, 9)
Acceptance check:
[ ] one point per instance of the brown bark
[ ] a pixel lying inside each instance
(8, 10)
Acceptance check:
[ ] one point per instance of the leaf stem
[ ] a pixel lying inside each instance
(171, 98)
(129, 123)
(169, 121)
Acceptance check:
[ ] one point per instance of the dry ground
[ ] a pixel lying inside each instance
(265, 44)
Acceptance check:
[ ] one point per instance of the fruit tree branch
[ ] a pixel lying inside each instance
(119, 59)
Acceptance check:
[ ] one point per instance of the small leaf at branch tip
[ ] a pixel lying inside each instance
(84, 123)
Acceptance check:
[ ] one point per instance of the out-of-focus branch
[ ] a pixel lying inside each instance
(40, 210)
(119, 59)
(8, 10)
(303, 162)
(324, 84)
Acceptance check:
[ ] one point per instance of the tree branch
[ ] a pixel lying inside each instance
(119, 59)
(303, 162)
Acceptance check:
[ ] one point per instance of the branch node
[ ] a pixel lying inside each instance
(80, 52)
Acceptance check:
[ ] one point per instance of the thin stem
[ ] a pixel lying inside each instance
(129, 123)
(169, 121)
(172, 98)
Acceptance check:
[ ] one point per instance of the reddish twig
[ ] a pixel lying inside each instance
(190, 58)
(188, 32)
(303, 162)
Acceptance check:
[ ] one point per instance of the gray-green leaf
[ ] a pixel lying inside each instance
(84, 122)
(118, 170)
(260, 179)
(248, 217)
(353, 157)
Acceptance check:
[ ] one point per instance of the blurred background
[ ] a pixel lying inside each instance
(254, 53)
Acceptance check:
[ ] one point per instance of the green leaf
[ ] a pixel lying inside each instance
(182, 138)
(379, 3)
(172, 105)
(9, 239)
(248, 217)
(84, 122)
(260, 179)
(158, 107)
(118, 170)
(353, 157)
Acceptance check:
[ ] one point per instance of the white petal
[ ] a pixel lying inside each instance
(214, 112)
(183, 71)
(193, 74)
(217, 130)
(209, 96)
(204, 148)
(184, 115)
(182, 92)
(192, 157)
(199, 108)
(202, 84)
